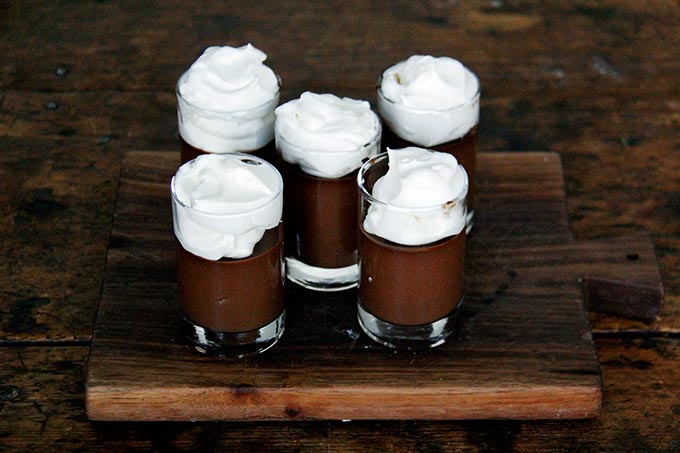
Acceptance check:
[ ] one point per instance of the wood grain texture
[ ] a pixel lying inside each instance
(55, 217)
(627, 282)
(358, 39)
(42, 409)
(523, 347)
(620, 275)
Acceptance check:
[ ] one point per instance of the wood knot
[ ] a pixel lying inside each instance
(293, 412)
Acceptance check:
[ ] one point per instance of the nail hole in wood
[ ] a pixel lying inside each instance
(633, 257)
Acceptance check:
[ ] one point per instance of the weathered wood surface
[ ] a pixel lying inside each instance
(600, 88)
(82, 82)
(56, 205)
(41, 399)
(522, 349)
(620, 275)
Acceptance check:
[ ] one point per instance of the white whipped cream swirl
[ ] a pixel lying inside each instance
(421, 198)
(226, 100)
(327, 136)
(223, 203)
(429, 100)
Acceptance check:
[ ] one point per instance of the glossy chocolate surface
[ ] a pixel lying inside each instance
(411, 285)
(320, 216)
(233, 295)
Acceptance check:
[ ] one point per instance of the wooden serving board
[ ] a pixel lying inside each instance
(523, 348)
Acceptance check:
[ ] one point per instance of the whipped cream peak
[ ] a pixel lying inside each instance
(229, 79)
(232, 188)
(226, 100)
(429, 100)
(327, 136)
(418, 179)
(222, 204)
(421, 198)
(430, 83)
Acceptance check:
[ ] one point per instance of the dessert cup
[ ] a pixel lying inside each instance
(408, 294)
(203, 131)
(225, 103)
(450, 129)
(319, 168)
(231, 306)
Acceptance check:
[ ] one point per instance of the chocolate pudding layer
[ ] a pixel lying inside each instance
(233, 295)
(464, 149)
(411, 285)
(320, 216)
(189, 152)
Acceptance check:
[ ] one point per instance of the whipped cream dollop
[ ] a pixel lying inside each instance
(429, 100)
(327, 136)
(421, 198)
(223, 203)
(226, 100)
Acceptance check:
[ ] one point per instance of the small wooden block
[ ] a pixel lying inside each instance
(624, 279)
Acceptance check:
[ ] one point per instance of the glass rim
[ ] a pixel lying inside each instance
(373, 141)
(265, 203)
(274, 98)
(394, 207)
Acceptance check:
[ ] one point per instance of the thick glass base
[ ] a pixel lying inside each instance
(407, 337)
(233, 344)
(320, 278)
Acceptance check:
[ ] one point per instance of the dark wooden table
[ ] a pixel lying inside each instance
(81, 83)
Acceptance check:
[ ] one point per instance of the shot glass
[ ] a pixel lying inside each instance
(231, 306)
(229, 104)
(321, 212)
(203, 131)
(451, 130)
(408, 294)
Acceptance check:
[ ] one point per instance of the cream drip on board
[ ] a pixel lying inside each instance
(327, 136)
(222, 204)
(429, 100)
(421, 198)
(226, 100)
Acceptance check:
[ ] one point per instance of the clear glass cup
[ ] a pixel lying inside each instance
(321, 218)
(203, 131)
(408, 295)
(232, 307)
(403, 125)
